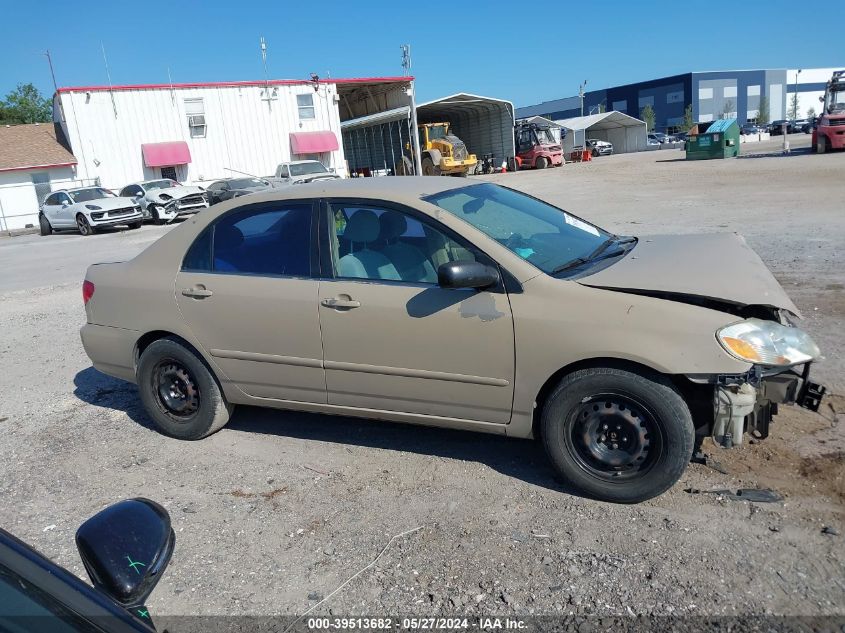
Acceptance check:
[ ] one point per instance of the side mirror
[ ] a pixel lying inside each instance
(65, 203)
(139, 194)
(125, 549)
(466, 274)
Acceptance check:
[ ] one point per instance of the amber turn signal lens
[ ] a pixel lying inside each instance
(741, 348)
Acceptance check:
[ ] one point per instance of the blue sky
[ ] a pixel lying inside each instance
(525, 52)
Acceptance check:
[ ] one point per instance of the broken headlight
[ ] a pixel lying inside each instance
(767, 343)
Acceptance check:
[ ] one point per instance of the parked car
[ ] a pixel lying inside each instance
(164, 200)
(750, 129)
(809, 126)
(776, 127)
(660, 137)
(599, 148)
(652, 142)
(229, 188)
(471, 306)
(87, 209)
(125, 549)
(797, 126)
(298, 172)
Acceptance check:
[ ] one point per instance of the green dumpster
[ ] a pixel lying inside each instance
(720, 140)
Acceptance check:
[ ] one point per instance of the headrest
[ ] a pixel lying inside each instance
(393, 224)
(362, 226)
(227, 236)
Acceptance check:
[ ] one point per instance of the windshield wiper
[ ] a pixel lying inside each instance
(597, 254)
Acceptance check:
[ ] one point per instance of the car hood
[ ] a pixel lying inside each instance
(109, 204)
(174, 192)
(716, 266)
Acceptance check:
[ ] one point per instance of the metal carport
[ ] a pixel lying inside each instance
(484, 124)
(626, 133)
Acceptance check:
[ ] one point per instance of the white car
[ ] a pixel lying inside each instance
(599, 147)
(87, 209)
(163, 200)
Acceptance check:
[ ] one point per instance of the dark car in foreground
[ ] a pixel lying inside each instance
(125, 549)
(229, 188)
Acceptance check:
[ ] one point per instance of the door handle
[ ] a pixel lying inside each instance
(197, 293)
(340, 303)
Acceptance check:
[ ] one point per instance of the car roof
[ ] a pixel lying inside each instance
(397, 188)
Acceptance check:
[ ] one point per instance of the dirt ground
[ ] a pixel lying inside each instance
(278, 509)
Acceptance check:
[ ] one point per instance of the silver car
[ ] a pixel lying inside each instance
(163, 200)
(87, 209)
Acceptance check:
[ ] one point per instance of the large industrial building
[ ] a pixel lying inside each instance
(713, 95)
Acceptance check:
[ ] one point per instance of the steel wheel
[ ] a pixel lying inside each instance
(82, 225)
(614, 438)
(176, 391)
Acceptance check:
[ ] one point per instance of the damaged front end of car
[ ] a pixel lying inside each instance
(781, 355)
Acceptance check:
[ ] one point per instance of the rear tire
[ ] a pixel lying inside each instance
(44, 225)
(134, 225)
(617, 435)
(85, 228)
(541, 162)
(179, 392)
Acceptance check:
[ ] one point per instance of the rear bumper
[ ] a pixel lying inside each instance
(111, 349)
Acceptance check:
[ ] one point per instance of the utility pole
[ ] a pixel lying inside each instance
(581, 95)
(415, 137)
(52, 72)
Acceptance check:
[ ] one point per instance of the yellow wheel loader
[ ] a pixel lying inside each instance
(443, 154)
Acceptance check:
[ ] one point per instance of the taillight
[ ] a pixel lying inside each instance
(87, 291)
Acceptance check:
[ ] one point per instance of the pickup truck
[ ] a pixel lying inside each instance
(298, 171)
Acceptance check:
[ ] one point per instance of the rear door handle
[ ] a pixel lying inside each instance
(197, 293)
(340, 303)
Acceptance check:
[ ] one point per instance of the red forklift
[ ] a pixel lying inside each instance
(536, 145)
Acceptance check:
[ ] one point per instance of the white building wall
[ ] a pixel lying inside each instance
(808, 97)
(244, 130)
(18, 202)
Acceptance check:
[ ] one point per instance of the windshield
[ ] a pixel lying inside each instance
(245, 183)
(544, 136)
(836, 100)
(544, 235)
(159, 184)
(437, 131)
(86, 195)
(303, 169)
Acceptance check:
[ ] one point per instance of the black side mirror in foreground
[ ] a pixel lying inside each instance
(466, 274)
(125, 549)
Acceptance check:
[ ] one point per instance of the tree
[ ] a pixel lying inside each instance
(25, 104)
(763, 110)
(793, 107)
(647, 115)
(689, 121)
(811, 113)
(729, 109)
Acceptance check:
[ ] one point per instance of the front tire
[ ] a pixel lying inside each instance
(541, 163)
(45, 228)
(179, 391)
(156, 215)
(429, 168)
(134, 225)
(617, 435)
(85, 228)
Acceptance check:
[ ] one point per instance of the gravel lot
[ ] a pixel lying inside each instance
(278, 509)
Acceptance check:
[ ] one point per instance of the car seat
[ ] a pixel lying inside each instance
(410, 262)
(362, 229)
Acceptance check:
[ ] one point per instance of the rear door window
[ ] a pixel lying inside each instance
(271, 240)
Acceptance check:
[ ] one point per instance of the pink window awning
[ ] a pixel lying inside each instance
(166, 154)
(313, 142)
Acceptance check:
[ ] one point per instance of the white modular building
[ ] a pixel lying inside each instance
(200, 132)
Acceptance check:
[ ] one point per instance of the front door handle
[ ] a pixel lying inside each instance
(340, 303)
(198, 292)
